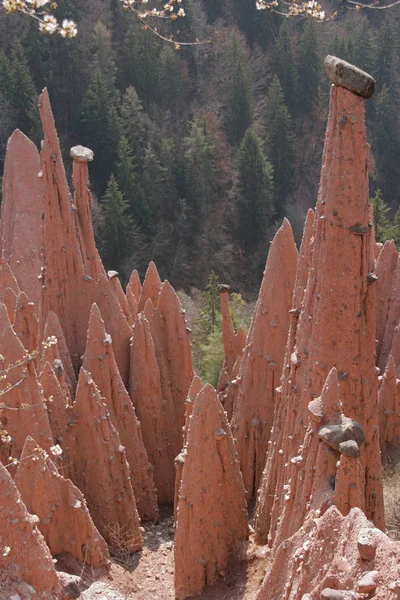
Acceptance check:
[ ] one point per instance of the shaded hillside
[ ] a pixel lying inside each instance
(178, 175)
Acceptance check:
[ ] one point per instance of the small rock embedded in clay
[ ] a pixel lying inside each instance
(368, 540)
(57, 400)
(329, 594)
(349, 448)
(81, 154)
(54, 348)
(368, 582)
(352, 78)
(70, 585)
(347, 429)
(395, 588)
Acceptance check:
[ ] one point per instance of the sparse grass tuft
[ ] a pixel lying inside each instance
(391, 493)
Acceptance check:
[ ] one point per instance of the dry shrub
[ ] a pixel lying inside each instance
(391, 493)
(121, 544)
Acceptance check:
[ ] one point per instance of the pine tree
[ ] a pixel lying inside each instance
(396, 229)
(285, 67)
(20, 90)
(103, 54)
(135, 123)
(172, 81)
(4, 72)
(133, 193)
(385, 227)
(214, 9)
(309, 67)
(61, 65)
(381, 220)
(210, 306)
(387, 144)
(152, 180)
(255, 191)
(279, 143)
(100, 125)
(140, 64)
(169, 208)
(117, 226)
(212, 356)
(200, 176)
(7, 124)
(386, 57)
(99, 119)
(362, 52)
(339, 48)
(42, 55)
(251, 21)
(237, 113)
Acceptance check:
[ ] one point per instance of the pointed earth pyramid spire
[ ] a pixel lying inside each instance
(151, 287)
(21, 214)
(26, 565)
(98, 466)
(134, 286)
(100, 362)
(64, 519)
(262, 360)
(212, 515)
(23, 410)
(158, 427)
(338, 291)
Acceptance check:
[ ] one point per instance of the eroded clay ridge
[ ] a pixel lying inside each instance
(335, 328)
(334, 557)
(389, 409)
(26, 565)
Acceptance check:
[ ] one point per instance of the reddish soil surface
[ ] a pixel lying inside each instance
(149, 574)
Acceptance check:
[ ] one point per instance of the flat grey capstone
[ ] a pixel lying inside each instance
(81, 154)
(223, 287)
(112, 274)
(352, 78)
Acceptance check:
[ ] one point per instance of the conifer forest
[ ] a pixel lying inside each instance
(201, 150)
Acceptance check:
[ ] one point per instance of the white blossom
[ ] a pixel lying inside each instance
(56, 450)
